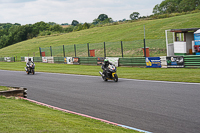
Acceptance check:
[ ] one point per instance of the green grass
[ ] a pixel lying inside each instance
(4, 88)
(155, 29)
(20, 116)
(161, 74)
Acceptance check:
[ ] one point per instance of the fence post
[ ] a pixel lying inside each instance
(104, 49)
(40, 51)
(144, 44)
(122, 48)
(144, 49)
(51, 51)
(64, 50)
(88, 49)
(75, 49)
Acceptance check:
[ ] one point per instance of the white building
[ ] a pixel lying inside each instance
(183, 41)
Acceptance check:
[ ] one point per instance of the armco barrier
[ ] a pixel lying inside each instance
(134, 61)
(1, 59)
(23, 59)
(7, 59)
(58, 59)
(88, 60)
(50, 60)
(37, 59)
(192, 61)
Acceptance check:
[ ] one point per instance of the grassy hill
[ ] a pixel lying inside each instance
(155, 29)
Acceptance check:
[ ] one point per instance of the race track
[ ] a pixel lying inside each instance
(154, 106)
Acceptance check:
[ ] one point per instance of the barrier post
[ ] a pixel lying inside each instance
(51, 51)
(104, 49)
(122, 49)
(88, 47)
(40, 51)
(64, 50)
(144, 43)
(75, 49)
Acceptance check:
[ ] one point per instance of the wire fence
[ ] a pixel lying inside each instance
(156, 47)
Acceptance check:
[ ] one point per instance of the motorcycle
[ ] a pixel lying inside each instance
(30, 68)
(111, 74)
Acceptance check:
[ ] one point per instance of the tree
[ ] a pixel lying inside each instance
(69, 29)
(95, 21)
(188, 5)
(156, 9)
(56, 28)
(134, 16)
(52, 23)
(75, 22)
(85, 26)
(173, 6)
(108, 20)
(102, 17)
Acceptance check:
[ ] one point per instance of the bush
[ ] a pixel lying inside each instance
(115, 23)
(92, 26)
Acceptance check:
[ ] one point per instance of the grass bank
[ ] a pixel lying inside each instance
(155, 29)
(161, 74)
(20, 116)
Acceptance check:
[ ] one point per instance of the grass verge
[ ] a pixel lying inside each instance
(4, 88)
(161, 74)
(22, 116)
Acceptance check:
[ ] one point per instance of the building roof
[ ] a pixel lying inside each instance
(184, 30)
(198, 31)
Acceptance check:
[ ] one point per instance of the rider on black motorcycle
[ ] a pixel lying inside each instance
(29, 62)
(105, 67)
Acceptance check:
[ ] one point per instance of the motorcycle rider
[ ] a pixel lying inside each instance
(105, 67)
(29, 62)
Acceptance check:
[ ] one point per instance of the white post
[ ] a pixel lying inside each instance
(180, 36)
(166, 41)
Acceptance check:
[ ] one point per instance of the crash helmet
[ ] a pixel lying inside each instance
(29, 59)
(106, 61)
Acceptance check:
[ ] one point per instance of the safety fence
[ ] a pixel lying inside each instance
(134, 61)
(137, 61)
(7, 59)
(107, 49)
(192, 61)
(188, 61)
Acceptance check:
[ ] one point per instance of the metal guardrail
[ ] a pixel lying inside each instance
(192, 61)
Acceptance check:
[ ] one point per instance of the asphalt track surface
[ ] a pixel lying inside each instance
(154, 106)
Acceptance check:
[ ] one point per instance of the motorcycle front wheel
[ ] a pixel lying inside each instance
(33, 72)
(115, 78)
(104, 78)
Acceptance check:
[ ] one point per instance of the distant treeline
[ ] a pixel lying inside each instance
(176, 6)
(14, 33)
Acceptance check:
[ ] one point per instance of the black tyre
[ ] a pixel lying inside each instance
(115, 78)
(33, 72)
(105, 79)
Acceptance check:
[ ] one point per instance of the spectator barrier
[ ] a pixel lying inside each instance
(7, 59)
(190, 61)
